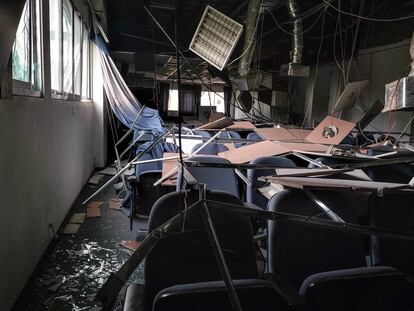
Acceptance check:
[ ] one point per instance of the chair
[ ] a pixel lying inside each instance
(393, 211)
(254, 295)
(187, 257)
(215, 178)
(252, 193)
(374, 288)
(232, 134)
(203, 134)
(254, 135)
(395, 173)
(295, 251)
(210, 149)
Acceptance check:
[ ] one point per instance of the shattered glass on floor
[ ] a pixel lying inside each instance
(75, 266)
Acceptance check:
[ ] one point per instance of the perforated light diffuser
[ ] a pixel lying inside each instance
(216, 37)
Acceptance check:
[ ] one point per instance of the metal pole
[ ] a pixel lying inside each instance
(126, 167)
(221, 261)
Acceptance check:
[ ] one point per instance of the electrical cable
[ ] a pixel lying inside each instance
(189, 64)
(251, 41)
(316, 69)
(369, 18)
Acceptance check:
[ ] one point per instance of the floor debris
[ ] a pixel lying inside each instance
(71, 228)
(115, 203)
(93, 212)
(95, 204)
(131, 245)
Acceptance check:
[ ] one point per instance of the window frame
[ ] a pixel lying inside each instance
(61, 94)
(25, 88)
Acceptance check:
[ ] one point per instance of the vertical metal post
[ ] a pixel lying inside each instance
(215, 243)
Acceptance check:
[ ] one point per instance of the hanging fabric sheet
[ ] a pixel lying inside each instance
(123, 103)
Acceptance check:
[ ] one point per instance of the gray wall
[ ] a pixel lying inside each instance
(380, 65)
(45, 159)
(48, 150)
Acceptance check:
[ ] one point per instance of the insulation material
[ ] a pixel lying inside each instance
(115, 204)
(282, 134)
(253, 151)
(93, 212)
(331, 131)
(95, 204)
(241, 125)
(217, 125)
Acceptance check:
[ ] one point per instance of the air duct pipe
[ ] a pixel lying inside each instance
(295, 67)
(297, 43)
(253, 12)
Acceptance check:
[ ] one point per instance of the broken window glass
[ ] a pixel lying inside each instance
(21, 48)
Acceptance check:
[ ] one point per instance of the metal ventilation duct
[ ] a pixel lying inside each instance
(249, 40)
(295, 67)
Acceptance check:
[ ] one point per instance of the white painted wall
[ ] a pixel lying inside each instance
(48, 150)
(46, 157)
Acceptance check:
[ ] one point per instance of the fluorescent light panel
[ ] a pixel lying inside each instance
(216, 37)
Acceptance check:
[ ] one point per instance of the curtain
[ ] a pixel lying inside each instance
(163, 96)
(190, 99)
(123, 103)
(227, 100)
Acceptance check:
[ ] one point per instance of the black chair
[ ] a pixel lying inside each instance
(374, 288)
(215, 178)
(187, 257)
(210, 149)
(254, 295)
(393, 211)
(400, 173)
(252, 193)
(296, 251)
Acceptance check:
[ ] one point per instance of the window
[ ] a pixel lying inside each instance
(26, 54)
(55, 7)
(69, 49)
(67, 18)
(77, 65)
(85, 63)
(173, 100)
(209, 98)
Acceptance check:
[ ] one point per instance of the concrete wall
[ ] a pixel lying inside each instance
(380, 65)
(48, 150)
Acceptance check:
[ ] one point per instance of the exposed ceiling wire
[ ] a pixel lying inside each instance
(252, 40)
(368, 18)
(316, 69)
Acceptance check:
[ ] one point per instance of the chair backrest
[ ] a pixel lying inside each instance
(252, 193)
(297, 251)
(146, 194)
(145, 167)
(374, 288)
(203, 134)
(233, 134)
(220, 179)
(254, 135)
(393, 211)
(396, 173)
(187, 257)
(254, 295)
(210, 149)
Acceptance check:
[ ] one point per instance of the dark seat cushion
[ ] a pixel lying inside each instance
(187, 257)
(374, 288)
(254, 295)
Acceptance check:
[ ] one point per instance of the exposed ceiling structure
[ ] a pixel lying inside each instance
(328, 34)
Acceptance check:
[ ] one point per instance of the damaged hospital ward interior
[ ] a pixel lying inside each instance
(207, 155)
